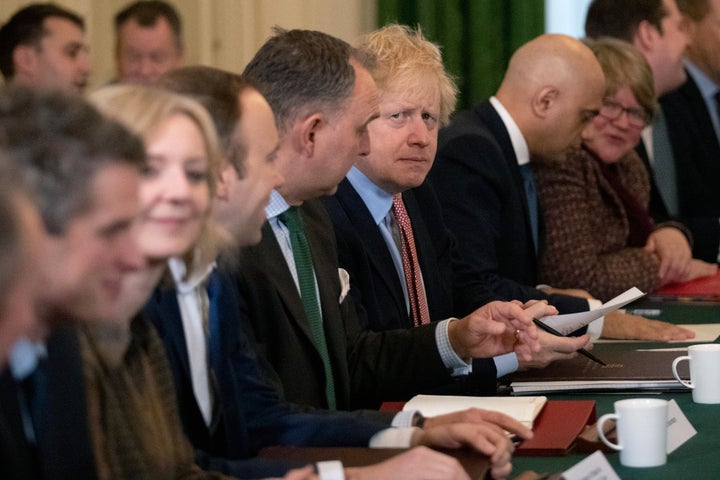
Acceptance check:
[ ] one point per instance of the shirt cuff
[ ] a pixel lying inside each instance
(392, 438)
(594, 328)
(506, 364)
(450, 359)
(404, 419)
(330, 470)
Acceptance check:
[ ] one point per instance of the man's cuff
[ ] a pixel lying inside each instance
(330, 470)
(392, 438)
(506, 364)
(450, 359)
(404, 419)
(594, 328)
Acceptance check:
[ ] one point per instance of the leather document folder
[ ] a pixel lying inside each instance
(475, 464)
(627, 370)
(558, 427)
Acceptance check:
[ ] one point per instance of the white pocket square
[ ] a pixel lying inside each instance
(344, 283)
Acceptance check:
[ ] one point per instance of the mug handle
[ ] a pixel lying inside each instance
(675, 373)
(603, 419)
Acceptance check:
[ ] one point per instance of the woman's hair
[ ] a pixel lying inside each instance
(143, 110)
(623, 65)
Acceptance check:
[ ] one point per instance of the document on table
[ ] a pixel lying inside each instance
(570, 322)
(704, 333)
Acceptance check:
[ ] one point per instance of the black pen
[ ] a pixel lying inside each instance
(552, 331)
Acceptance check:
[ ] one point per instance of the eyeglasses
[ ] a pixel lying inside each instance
(613, 110)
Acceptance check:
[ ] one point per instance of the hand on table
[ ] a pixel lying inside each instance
(420, 463)
(633, 327)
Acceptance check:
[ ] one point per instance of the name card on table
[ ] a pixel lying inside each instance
(680, 430)
(593, 467)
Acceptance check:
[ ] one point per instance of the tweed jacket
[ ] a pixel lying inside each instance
(586, 226)
(120, 396)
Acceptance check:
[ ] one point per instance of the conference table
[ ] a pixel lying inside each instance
(699, 457)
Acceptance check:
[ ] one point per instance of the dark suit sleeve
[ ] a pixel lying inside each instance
(475, 186)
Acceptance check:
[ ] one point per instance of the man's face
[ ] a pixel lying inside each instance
(144, 54)
(19, 314)
(84, 267)
(241, 206)
(703, 50)
(404, 139)
(61, 62)
(666, 56)
(337, 142)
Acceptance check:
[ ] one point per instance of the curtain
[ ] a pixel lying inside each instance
(477, 36)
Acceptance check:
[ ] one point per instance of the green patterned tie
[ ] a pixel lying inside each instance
(308, 293)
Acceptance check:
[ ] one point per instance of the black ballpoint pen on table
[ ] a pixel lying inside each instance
(552, 331)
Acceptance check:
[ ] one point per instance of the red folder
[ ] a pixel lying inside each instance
(557, 427)
(701, 288)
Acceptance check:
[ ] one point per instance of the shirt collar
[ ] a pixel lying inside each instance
(178, 269)
(707, 87)
(24, 358)
(519, 144)
(377, 200)
(276, 206)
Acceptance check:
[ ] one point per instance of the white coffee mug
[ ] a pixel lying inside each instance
(641, 425)
(704, 372)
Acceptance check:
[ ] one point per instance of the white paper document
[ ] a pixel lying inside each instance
(570, 322)
(522, 409)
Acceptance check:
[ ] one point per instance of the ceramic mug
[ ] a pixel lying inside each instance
(641, 425)
(704, 372)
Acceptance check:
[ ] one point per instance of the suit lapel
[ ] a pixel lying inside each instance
(373, 241)
(277, 272)
(489, 116)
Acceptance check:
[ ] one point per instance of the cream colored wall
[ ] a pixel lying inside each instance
(220, 33)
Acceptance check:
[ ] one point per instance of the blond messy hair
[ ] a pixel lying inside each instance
(405, 60)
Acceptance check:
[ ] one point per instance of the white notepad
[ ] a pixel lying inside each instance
(522, 409)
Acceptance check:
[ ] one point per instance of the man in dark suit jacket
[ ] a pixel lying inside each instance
(87, 210)
(364, 213)
(481, 154)
(693, 122)
(366, 367)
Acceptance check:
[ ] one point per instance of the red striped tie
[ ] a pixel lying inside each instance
(411, 267)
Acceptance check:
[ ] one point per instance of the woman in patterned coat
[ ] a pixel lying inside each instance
(598, 233)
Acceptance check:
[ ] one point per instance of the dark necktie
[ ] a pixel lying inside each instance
(532, 202)
(211, 326)
(308, 293)
(411, 266)
(663, 163)
(32, 393)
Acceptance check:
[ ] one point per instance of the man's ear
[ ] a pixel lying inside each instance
(307, 133)
(24, 58)
(645, 36)
(544, 100)
(222, 186)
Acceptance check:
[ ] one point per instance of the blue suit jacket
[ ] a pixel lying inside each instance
(252, 415)
(697, 158)
(452, 288)
(481, 191)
